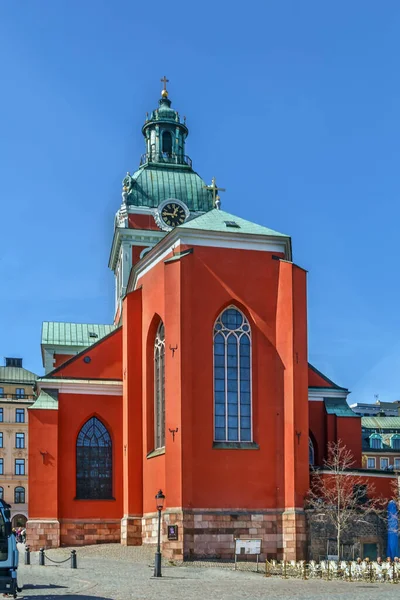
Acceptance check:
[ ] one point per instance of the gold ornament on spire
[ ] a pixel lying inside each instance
(214, 189)
(164, 91)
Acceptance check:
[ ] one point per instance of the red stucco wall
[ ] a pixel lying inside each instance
(105, 360)
(74, 410)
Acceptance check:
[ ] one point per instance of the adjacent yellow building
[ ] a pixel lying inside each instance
(16, 395)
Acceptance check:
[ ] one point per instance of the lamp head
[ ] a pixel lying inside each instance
(160, 500)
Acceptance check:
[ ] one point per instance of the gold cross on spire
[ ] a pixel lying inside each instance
(214, 189)
(164, 80)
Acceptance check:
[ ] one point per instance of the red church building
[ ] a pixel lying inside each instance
(201, 387)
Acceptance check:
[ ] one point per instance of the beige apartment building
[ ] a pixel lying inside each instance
(16, 395)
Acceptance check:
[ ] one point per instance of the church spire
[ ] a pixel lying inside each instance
(165, 134)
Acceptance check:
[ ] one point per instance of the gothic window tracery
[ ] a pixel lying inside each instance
(94, 461)
(159, 387)
(232, 377)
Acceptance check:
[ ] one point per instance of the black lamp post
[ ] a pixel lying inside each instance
(160, 505)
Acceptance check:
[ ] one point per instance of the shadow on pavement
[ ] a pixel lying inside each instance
(29, 586)
(71, 597)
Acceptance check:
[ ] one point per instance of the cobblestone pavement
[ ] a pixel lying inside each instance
(113, 572)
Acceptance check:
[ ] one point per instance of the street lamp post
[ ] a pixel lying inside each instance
(157, 562)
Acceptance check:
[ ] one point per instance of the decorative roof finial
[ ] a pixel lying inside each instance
(164, 91)
(214, 189)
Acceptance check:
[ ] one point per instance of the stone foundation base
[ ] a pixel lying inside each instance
(294, 535)
(42, 533)
(83, 532)
(131, 530)
(211, 533)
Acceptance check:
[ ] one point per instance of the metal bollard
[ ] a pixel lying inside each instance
(74, 562)
(27, 555)
(41, 557)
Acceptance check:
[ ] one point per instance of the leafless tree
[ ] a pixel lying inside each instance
(339, 494)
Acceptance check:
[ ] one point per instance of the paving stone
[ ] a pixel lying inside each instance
(115, 572)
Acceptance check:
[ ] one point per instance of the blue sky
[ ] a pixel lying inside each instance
(293, 106)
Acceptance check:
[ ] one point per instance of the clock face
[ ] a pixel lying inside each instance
(173, 214)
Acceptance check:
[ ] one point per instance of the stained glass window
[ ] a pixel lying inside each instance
(232, 377)
(159, 387)
(94, 461)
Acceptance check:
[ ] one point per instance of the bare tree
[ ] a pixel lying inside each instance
(339, 494)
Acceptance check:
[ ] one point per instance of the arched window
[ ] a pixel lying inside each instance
(232, 377)
(1, 493)
(19, 495)
(159, 387)
(93, 461)
(395, 441)
(167, 142)
(311, 452)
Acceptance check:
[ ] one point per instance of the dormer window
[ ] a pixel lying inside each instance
(375, 441)
(167, 142)
(395, 441)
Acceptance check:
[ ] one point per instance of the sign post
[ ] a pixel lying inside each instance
(249, 546)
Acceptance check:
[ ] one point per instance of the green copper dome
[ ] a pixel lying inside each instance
(165, 171)
(150, 185)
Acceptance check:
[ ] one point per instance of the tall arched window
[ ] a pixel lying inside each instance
(167, 142)
(159, 387)
(311, 452)
(94, 461)
(1, 493)
(19, 495)
(232, 377)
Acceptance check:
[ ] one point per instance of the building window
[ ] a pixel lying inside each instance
(395, 441)
(20, 392)
(1, 439)
(232, 377)
(20, 466)
(19, 440)
(1, 392)
(159, 387)
(375, 441)
(19, 495)
(167, 142)
(311, 453)
(20, 415)
(371, 463)
(1, 493)
(1, 415)
(94, 461)
(397, 464)
(384, 463)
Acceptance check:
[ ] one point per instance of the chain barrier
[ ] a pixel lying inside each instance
(42, 556)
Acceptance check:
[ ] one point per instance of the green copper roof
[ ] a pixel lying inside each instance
(338, 407)
(44, 400)
(73, 334)
(151, 185)
(16, 375)
(216, 220)
(380, 422)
